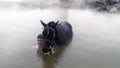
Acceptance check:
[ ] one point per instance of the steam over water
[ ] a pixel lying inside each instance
(95, 44)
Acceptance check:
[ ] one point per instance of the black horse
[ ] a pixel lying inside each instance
(54, 33)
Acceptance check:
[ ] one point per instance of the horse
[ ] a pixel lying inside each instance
(54, 33)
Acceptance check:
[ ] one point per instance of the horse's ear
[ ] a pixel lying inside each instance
(43, 23)
(56, 23)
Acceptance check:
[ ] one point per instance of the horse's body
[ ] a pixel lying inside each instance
(63, 33)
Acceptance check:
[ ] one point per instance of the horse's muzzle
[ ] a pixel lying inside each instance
(44, 47)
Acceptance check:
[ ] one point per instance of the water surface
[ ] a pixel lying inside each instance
(95, 42)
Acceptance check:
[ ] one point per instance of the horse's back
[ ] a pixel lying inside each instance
(64, 33)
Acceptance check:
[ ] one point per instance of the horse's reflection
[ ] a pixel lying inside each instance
(50, 61)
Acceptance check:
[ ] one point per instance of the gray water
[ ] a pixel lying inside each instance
(95, 42)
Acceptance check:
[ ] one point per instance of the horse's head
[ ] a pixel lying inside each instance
(49, 30)
(48, 36)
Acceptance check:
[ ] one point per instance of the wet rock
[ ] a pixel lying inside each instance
(105, 5)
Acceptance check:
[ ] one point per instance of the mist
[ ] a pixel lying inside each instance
(96, 35)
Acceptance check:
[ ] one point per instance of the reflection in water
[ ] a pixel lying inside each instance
(50, 61)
